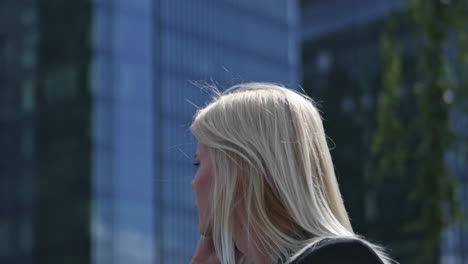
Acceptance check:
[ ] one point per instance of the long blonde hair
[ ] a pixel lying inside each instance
(269, 152)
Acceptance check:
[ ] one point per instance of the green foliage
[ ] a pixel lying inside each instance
(435, 188)
(387, 145)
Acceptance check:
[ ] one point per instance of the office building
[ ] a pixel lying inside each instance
(45, 112)
(96, 99)
(145, 56)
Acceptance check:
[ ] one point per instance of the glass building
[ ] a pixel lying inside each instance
(44, 132)
(96, 98)
(341, 70)
(145, 56)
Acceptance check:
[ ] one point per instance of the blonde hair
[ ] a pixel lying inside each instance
(268, 145)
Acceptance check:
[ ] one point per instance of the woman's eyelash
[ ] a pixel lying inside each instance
(196, 164)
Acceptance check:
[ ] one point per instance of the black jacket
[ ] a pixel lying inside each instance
(343, 251)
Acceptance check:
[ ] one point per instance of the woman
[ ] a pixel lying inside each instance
(265, 188)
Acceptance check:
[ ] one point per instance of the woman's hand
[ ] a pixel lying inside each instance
(205, 252)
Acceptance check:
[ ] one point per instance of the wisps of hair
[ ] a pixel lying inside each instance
(270, 152)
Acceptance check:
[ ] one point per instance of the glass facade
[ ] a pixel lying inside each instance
(145, 55)
(455, 237)
(95, 104)
(44, 132)
(14, 127)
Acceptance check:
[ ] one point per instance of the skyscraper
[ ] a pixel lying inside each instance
(95, 104)
(145, 55)
(44, 132)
